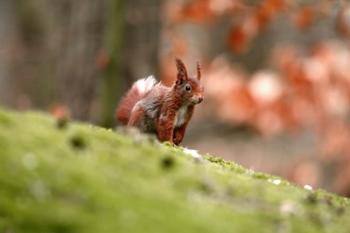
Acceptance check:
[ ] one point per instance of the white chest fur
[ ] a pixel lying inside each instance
(180, 116)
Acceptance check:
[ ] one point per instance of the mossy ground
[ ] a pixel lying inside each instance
(81, 178)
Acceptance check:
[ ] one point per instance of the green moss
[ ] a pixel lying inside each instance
(83, 178)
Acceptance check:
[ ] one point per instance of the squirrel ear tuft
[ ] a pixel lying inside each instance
(181, 71)
(198, 71)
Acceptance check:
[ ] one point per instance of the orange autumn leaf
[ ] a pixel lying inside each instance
(197, 11)
(268, 9)
(102, 59)
(305, 17)
(262, 17)
(238, 39)
(238, 105)
(275, 5)
(240, 35)
(222, 6)
(59, 111)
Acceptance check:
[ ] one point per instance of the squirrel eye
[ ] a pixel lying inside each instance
(188, 87)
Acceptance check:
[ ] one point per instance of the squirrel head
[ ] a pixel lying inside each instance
(190, 88)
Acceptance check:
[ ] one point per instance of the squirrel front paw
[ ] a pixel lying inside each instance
(177, 139)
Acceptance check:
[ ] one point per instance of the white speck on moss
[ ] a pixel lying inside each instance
(193, 153)
(308, 187)
(275, 181)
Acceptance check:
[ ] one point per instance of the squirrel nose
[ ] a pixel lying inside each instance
(200, 99)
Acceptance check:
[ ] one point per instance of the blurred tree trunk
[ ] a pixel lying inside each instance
(22, 53)
(6, 34)
(57, 50)
(76, 37)
(143, 25)
(112, 79)
(136, 57)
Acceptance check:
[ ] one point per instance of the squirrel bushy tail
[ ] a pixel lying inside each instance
(138, 90)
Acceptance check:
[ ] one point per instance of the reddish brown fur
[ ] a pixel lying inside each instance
(126, 105)
(165, 111)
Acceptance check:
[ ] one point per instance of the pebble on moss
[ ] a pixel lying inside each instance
(312, 198)
(78, 142)
(62, 123)
(167, 162)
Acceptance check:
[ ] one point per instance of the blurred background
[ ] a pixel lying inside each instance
(276, 72)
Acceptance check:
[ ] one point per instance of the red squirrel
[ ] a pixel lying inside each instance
(165, 111)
